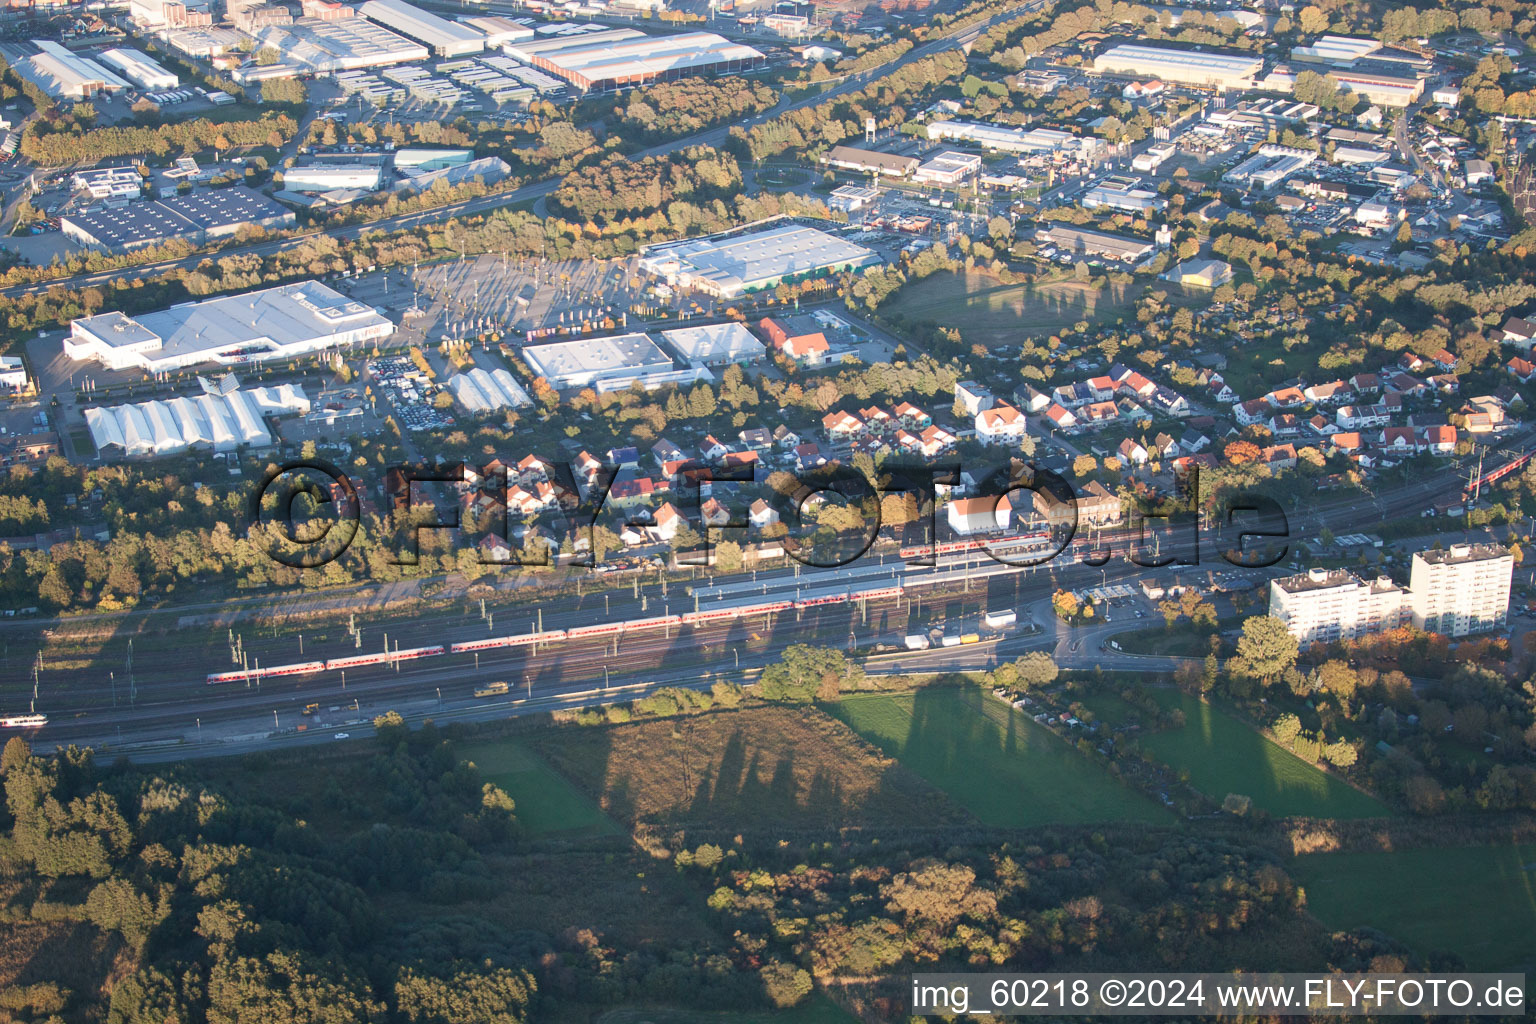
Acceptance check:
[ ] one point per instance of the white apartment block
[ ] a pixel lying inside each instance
(1463, 589)
(1325, 605)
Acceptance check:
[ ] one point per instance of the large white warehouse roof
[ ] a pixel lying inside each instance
(139, 68)
(276, 323)
(447, 38)
(1192, 67)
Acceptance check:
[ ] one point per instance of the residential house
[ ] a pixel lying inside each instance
(1030, 398)
(1247, 413)
(1521, 369)
(1406, 385)
(1074, 395)
(972, 397)
(1346, 442)
(1445, 383)
(1170, 403)
(935, 439)
(1365, 383)
(1444, 360)
(1192, 441)
(841, 426)
(755, 439)
(1060, 418)
(1165, 446)
(785, 438)
(985, 514)
(1135, 384)
(1331, 393)
(1321, 425)
(1098, 414)
(1000, 424)
(664, 451)
(877, 421)
(1357, 417)
(1519, 331)
(1439, 440)
(711, 449)
(1219, 392)
(808, 456)
(1398, 441)
(762, 515)
(912, 417)
(1280, 457)
(1132, 452)
(1286, 398)
(624, 458)
(1285, 425)
(668, 521)
(714, 513)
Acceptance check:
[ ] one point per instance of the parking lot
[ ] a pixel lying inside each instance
(409, 392)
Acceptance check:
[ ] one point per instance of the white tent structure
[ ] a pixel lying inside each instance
(480, 390)
(221, 422)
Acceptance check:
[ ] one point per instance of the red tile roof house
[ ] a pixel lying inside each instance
(1440, 440)
(841, 425)
(808, 349)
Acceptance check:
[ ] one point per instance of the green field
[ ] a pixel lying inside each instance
(546, 802)
(991, 313)
(1223, 755)
(993, 760)
(1477, 902)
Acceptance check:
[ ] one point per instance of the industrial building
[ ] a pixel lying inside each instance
(139, 69)
(419, 160)
(13, 373)
(1219, 71)
(489, 169)
(1385, 84)
(498, 31)
(275, 323)
(1087, 242)
(613, 59)
(1353, 51)
(64, 74)
(1009, 140)
(947, 167)
(1270, 166)
(1201, 273)
(1124, 195)
(869, 161)
(445, 38)
(715, 345)
(222, 421)
(197, 217)
(1462, 589)
(618, 359)
(154, 15)
(326, 46)
(324, 177)
(727, 266)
